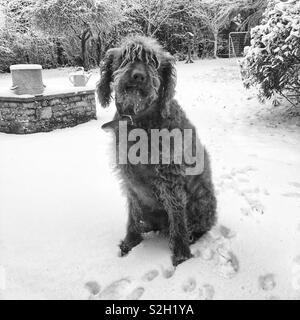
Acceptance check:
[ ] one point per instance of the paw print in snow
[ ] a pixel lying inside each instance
(267, 282)
(117, 290)
(228, 264)
(150, 275)
(168, 272)
(189, 285)
(226, 232)
(206, 292)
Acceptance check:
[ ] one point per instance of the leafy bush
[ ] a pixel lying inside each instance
(272, 62)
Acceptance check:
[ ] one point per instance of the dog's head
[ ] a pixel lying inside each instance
(140, 72)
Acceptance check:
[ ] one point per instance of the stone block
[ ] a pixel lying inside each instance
(30, 112)
(82, 104)
(75, 98)
(45, 103)
(46, 113)
(54, 102)
(31, 105)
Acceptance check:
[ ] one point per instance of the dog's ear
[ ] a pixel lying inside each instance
(103, 86)
(168, 74)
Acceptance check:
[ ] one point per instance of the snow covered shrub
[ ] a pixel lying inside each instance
(272, 62)
(6, 56)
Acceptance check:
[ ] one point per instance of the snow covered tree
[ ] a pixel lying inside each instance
(253, 11)
(16, 15)
(80, 18)
(215, 16)
(152, 14)
(272, 61)
(15, 25)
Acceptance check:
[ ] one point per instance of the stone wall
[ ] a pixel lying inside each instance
(31, 114)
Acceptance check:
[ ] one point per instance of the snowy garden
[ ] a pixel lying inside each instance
(62, 211)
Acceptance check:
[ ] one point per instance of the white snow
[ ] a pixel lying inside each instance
(62, 213)
(26, 67)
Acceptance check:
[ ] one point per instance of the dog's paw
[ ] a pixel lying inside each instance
(131, 240)
(178, 259)
(124, 249)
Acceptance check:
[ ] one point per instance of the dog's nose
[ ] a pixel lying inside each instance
(138, 76)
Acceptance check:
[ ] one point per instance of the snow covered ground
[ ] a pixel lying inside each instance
(62, 214)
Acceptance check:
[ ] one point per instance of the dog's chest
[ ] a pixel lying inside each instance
(139, 179)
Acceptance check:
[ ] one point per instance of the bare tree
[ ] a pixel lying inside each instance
(152, 14)
(215, 15)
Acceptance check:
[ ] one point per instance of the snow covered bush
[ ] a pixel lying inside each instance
(6, 56)
(272, 62)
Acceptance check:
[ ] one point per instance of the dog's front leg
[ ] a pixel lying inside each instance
(173, 199)
(133, 233)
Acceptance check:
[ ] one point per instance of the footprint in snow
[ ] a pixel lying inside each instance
(189, 285)
(291, 195)
(255, 205)
(206, 292)
(93, 287)
(117, 290)
(295, 184)
(246, 211)
(228, 264)
(267, 282)
(168, 272)
(135, 294)
(226, 232)
(150, 275)
(243, 180)
(297, 260)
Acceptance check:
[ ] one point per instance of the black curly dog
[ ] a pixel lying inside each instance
(161, 197)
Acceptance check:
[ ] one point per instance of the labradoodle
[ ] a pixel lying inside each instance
(161, 196)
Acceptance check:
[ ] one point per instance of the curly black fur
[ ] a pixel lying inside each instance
(160, 197)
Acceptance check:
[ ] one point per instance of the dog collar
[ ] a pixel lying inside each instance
(131, 119)
(114, 123)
